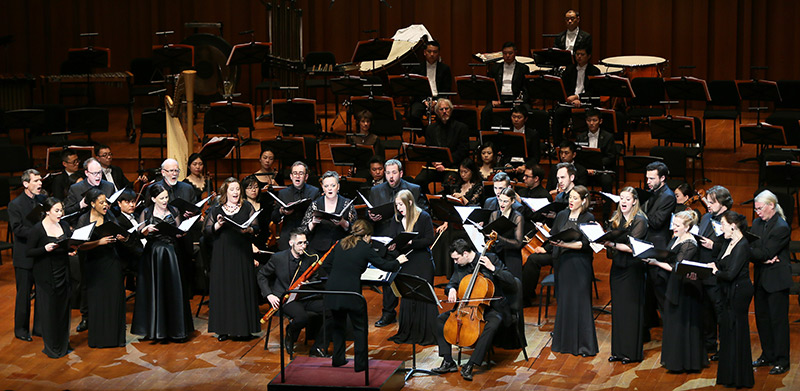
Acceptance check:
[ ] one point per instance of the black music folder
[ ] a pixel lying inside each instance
(594, 232)
(110, 228)
(299, 204)
(566, 236)
(247, 223)
(171, 230)
(501, 225)
(703, 270)
(333, 216)
(385, 211)
(78, 237)
(185, 206)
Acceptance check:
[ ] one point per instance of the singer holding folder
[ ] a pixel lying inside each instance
(627, 279)
(510, 241)
(161, 313)
(233, 291)
(329, 217)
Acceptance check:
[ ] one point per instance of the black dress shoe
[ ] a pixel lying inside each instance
(82, 326)
(446, 367)
(339, 364)
(614, 358)
(761, 362)
(26, 338)
(466, 372)
(222, 337)
(385, 320)
(317, 352)
(714, 357)
(626, 361)
(778, 369)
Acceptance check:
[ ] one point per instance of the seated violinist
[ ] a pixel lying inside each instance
(466, 260)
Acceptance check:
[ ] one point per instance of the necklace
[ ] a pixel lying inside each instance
(230, 209)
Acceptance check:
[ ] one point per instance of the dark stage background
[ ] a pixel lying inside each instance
(721, 38)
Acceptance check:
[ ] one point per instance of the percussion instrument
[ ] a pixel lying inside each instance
(16, 91)
(637, 66)
(610, 70)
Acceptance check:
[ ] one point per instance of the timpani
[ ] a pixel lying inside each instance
(637, 66)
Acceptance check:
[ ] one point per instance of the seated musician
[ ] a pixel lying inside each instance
(439, 77)
(111, 173)
(466, 260)
(567, 151)
(447, 133)
(364, 136)
(468, 186)
(277, 276)
(532, 177)
(573, 37)
(196, 177)
(69, 176)
(519, 119)
(575, 79)
(376, 172)
(604, 141)
(266, 174)
(509, 76)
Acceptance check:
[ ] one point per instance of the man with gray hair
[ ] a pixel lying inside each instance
(18, 210)
(447, 133)
(94, 179)
(175, 188)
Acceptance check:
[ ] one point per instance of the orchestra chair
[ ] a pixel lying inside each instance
(649, 92)
(787, 111)
(146, 81)
(153, 131)
(53, 131)
(24, 120)
(5, 198)
(669, 129)
(725, 104)
(87, 120)
(549, 281)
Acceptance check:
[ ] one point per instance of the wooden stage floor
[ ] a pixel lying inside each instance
(203, 363)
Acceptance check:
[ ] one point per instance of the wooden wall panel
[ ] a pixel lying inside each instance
(722, 38)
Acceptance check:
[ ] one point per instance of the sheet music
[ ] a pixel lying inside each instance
(695, 230)
(202, 202)
(696, 264)
(593, 231)
(464, 211)
(114, 196)
(366, 201)
(188, 223)
(596, 247)
(541, 229)
(535, 203)
(135, 227)
(612, 197)
(639, 246)
(476, 237)
(277, 199)
(374, 274)
(246, 223)
(83, 233)
(382, 239)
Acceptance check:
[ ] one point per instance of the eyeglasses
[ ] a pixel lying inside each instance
(96, 173)
(108, 154)
(298, 173)
(175, 171)
(759, 208)
(73, 162)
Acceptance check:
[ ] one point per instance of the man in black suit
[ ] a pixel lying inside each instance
(509, 76)
(501, 181)
(567, 151)
(532, 177)
(466, 260)
(519, 124)
(175, 188)
(18, 210)
(439, 77)
(299, 190)
(275, 278)
(576, 81)
(772, 278)
(94, 179)
(596, 138)
(448, 133)
(573, 37)
(69, 176)
(111, 173)
(658, 208)
(382, 194)
(718, 201)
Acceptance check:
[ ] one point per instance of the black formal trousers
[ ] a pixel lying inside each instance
(358, 318)
(772, 321)
(493, 320)
(531, 271)
(22, 307)
(301, 311)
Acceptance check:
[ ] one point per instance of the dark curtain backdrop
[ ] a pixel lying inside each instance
(723, 39)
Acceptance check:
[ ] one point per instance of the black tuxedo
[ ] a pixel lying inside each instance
(77, 191)
(120, 181)
(772, 283)
(659, 208)
(519, 88)
(444, 77)
(532, 143)
(21, 226)
(453, 135)
(130, 251)
(583, 40)
(280, 271)
(295, 219)
(713, 299)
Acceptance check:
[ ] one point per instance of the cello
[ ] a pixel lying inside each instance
(466, 322)
(532, 243)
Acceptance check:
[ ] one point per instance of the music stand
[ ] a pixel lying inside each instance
(761, 134)
(477, 88)
(551, 57)
(443, 210)
(248, 54)
(687, 88)
(347, 86)
(758, 90)
(176, 57)
(53, 158)
(610, 85)
(231, 116)
(372, 50)
(287, 149)
(351, 155)
(25, 119)
(511, 143)
(382, 107)
(590, 158)
(410, 85)
(218, 148)
(90, 57)
(546, 87)
(295, 116)
(411, 287)
(424, 153)
(673, 129)
(637, 164)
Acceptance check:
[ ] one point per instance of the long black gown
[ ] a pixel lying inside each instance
(326, 233)
(683, 347)
(735, 357)
(162, 303)
(106, 292)
(574, 330)
(510, 243)
(51, 271)
(417, 319)
(627, 279)
(233, 294)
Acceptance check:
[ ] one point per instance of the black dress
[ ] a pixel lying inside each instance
(574, 330)
(417, 319)
(51, 272)
(735, 368)
(106, 292)
(510, 243)
(233, 293)
(344, 268)
(326, 233)
(162, 303)
(627, 279)
(683, 347)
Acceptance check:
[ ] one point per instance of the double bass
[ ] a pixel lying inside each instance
(466, 322)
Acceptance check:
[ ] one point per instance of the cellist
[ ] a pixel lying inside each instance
(466, 260)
